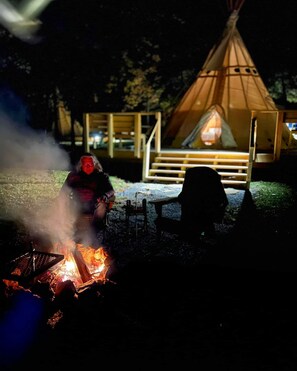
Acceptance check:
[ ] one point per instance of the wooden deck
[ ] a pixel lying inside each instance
(136, 138)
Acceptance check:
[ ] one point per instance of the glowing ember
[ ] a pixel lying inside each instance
(66, 270)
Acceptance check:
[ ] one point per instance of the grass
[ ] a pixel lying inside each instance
(273, 197)
(26, 189)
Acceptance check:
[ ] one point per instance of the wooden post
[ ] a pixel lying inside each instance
(146, 160)
(86, 131)
(110, 135)
(278, 134)
(158, 133)
(137, 135)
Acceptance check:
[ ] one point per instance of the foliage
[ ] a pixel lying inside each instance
(141, 85)
(138, 80)
(283, 86)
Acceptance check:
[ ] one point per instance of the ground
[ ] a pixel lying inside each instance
(228, 303)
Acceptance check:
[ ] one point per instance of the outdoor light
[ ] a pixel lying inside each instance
(97, 139)
(292, 126)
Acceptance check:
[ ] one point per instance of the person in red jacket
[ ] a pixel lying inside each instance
(90, 190)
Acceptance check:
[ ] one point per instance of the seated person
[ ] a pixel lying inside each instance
(90, 190)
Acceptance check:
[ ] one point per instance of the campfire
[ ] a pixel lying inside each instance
(71, 271)
(70, 262)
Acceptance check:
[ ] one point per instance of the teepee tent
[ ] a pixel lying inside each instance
(229, 80)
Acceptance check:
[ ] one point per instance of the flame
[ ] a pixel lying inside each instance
(66, 270)
(95, 261)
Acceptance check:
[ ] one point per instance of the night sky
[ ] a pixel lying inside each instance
(267, 27)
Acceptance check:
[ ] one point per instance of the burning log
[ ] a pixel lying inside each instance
(96, 260)
(81, 266)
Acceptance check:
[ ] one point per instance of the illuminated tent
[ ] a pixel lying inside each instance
(229, 80)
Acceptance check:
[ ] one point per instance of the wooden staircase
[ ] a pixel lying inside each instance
(169, 166)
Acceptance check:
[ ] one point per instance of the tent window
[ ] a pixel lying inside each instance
(237, 69)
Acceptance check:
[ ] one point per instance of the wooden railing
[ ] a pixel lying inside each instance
(118, 127)
(156, 136)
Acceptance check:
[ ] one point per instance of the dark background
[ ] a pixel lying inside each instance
(79, 46)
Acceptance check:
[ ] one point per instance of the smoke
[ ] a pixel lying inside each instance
(58, 224)
(54, 223)
(22, 148)
(29, 153)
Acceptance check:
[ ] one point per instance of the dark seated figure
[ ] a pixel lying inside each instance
(91, 196)
(203, 202)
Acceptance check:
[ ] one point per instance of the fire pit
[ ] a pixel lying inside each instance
(71, 274)
(76, 263)
(30, 265)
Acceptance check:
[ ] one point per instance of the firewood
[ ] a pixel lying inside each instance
(81, 265)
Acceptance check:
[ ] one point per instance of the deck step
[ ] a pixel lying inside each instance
(182, 172)
(170, 166)
(180, 180)
(214, 166)
(201, 159)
